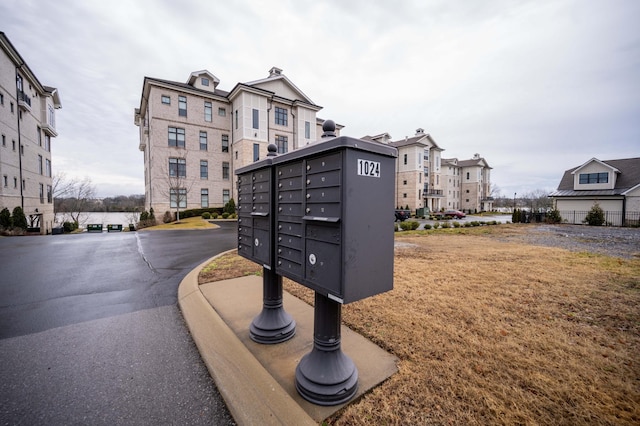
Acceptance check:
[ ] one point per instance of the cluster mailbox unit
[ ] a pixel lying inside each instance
(329, 206)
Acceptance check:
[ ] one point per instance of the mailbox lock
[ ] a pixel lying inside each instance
(312, 259)
(308, 210)
(256, 242)
(308, 181)
(308, 167)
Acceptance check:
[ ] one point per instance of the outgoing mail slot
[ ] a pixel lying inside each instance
(261, 223)
(327, 233)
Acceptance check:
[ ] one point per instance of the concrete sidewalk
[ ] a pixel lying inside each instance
(258, 381)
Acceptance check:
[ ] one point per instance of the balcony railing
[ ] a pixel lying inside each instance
(433, 192)
(24, 101)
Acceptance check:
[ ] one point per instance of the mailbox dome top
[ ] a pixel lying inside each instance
(273, 150)
(329, 129)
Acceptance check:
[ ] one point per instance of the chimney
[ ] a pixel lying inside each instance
(419, 132)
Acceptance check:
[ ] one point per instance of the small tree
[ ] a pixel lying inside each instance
(5, 218)
(554, 216)
(18, 218)
(230, 207)
(595, 217)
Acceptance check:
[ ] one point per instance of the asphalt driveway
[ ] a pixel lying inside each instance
(90, 331)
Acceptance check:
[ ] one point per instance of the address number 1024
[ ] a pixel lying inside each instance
(368, 168)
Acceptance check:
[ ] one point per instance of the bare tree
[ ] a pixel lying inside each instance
(178, 185)
(72, 196)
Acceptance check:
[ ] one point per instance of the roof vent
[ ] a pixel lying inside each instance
(419, 132)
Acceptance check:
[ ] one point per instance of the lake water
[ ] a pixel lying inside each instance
(105, 219)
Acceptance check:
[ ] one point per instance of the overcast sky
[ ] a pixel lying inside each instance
(535, 87)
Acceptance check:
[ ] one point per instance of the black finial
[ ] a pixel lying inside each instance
(273, 150)
(329, 129)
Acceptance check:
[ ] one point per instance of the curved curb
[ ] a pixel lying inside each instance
(252, 395)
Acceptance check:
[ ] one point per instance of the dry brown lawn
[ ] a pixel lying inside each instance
(494, 332)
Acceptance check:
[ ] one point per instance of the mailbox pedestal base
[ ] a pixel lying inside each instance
(326, 376)
(273, 324)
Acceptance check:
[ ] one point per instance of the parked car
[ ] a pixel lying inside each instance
(455, 213)
(402, 215)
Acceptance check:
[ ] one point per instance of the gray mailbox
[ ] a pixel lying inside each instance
(320, 215)
(254, 212)
(333, 217)
(255, 242)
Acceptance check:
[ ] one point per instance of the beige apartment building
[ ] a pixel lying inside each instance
(467, 184)
(27, 125)
(195, 135)
(426, 180)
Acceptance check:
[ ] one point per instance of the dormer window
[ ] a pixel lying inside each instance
(587, 178)
(204, 81)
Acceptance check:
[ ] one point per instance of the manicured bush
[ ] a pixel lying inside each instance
(167, 217)
(69, 226)
(206, 215)
(427, 226)
(214, 215)
(595, 217)
(225, 215)
(5, 218)
(409, 225)
(446, 225)
(18, 219)
(456, 224)
(436, 225)
(467, 225)
(144, 216)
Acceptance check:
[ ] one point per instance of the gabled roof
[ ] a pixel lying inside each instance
(602, 163)
(186, 86)
(420, 138)
(196, 74)
(628, 170)
(477, 162)
(275, 74)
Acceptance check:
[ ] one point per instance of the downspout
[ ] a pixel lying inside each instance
(624, 209)
(295, 140)
(19, 140)
(270, 105)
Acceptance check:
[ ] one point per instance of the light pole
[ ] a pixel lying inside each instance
(514, 201)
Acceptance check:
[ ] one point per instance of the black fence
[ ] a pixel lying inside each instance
(611, 218)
